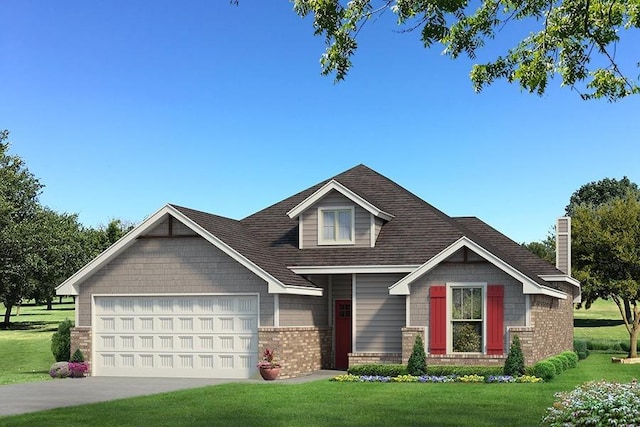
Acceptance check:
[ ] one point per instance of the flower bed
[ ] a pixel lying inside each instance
(349, 378)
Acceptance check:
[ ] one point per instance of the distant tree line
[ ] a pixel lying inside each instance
(39, 248)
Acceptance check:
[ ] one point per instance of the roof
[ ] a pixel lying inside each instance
(415, 233)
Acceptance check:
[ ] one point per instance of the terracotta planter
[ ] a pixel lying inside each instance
(270, 374)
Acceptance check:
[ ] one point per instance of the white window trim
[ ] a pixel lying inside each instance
(321, 240)
(452, 285)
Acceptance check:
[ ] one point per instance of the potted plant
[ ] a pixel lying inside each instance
(269, 368)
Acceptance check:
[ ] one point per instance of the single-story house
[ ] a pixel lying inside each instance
(346, 272)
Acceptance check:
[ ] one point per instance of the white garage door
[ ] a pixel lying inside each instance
(208, 336)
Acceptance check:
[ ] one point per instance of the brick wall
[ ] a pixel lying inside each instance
(81, 339)
(300, 350)
(552, 320)
(376, 358)
(408, 339)
(526, 335)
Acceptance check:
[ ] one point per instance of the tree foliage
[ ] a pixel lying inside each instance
(545, 249)
(575, 39)
(606, 252)
(514, 364)
(597, 193)
(417, 363)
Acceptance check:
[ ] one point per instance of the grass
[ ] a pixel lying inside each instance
(30, 337)
(323, 403)
(601, 322)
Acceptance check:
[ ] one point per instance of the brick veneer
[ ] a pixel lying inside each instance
(81, 339)
(368, 358)
(409, 334)
(300, 350)
(527, 336)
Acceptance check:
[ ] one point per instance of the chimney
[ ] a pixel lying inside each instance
(563, 245)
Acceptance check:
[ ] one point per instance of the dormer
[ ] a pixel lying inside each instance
(335, 216)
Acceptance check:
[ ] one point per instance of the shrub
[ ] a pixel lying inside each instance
(572, 357)
(544, 369)
(485, 371)
(596, 403)
(565, 362)
(514, 365)
(557, 363)
(417, 364)
(580, 346)
(77, 356)
(61, 341)
(383, 370)
(60, 370)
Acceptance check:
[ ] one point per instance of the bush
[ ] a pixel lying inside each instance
(485, 371)
(60, 370)
(557, 363)
(544, 369)
(417, 364)
(572, 357)
(383, 370)
(61, 341)
(565, 362)
(580, 346)
(596, 403)
(514, 365)
(77, 356)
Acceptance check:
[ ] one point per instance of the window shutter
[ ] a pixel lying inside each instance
(438, 320)
(495, 319)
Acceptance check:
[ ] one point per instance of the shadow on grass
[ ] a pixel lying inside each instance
(595, 323)
(31, 326)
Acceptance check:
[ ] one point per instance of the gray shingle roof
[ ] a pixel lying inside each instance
(418, 232)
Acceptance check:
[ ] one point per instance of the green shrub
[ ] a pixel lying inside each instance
(596, 404)
(485, 371)
(61, 341)
(514, 365)
(384, 370)
(544, 369)
(572, 357)
(580, 346)
(417, 364)
(557, 363)
(77, 356)
(565, 362)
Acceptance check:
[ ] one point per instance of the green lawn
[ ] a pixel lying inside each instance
(601, 322)
(324, 403)
(25, 348)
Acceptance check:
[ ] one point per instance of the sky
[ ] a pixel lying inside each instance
(121, 107)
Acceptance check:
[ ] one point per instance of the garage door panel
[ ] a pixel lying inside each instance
(199, 336)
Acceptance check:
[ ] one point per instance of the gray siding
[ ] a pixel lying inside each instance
(334, 199)
(380, 317)
(173, 265)
(303, 310)
(514, 299)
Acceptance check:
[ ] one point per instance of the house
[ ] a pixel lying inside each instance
(346, 272)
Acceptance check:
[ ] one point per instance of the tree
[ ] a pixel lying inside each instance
(417, 363)
(575, 39)
(606, 252)
(19, 191)
(597, 193)
(545, 249)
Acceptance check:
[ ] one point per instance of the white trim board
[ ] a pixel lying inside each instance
(529, 286)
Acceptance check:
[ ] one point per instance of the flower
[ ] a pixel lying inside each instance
(268, 361)
(78, 367)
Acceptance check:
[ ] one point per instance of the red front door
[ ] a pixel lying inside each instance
(342, 326)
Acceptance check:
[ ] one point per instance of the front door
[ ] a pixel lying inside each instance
(342, 326)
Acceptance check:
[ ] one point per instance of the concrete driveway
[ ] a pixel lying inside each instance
(31, 397)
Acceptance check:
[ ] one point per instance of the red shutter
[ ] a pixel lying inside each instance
(438, 320)
(495, 319)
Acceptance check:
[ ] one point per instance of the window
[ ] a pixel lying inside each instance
(335, 226)
(467, 319)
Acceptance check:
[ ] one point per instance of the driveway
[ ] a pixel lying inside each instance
(31, 397)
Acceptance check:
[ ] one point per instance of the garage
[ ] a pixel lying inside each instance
(204, 336)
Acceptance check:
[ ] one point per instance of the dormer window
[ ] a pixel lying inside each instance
(336, 226)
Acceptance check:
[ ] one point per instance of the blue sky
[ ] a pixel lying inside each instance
(122, 107)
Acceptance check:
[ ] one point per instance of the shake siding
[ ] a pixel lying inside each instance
(514, 300)
(173, 266)
(303, 310)
(379, 316)
(335, 199)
